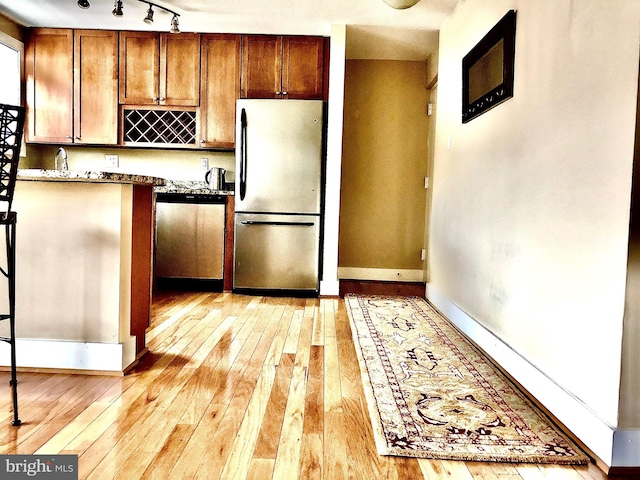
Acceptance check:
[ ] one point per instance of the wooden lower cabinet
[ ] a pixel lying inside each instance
(229, 238)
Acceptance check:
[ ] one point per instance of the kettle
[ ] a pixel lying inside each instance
(215, 178)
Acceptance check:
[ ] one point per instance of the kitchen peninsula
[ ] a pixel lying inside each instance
(83, 269)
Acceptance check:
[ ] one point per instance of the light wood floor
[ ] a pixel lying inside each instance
(233, 387)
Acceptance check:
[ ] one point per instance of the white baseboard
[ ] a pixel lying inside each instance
(615, 447)
(329, 288)
(380, 274)
(66, 355)
(626, 448)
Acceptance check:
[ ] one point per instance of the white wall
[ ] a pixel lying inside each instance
(329, 284)
(530, 216)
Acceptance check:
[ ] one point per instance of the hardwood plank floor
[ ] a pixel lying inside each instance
(233, 387)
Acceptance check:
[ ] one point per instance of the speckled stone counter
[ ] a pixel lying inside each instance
(89, 176)
(192, 187)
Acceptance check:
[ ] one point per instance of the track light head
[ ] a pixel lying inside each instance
(117, 8)
(149, 18)
(174, 24)
(84, 3)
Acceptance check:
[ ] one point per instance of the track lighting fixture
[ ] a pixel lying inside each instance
(117, 12)
(117, 8)
(174, 24)
(149, 18)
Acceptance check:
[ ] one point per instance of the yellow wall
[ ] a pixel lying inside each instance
(384, 163)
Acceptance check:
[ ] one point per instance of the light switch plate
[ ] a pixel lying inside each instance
(111, 161)
(204, 163)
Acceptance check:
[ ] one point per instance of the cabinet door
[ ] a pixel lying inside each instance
(302, 69)
(180, 69)
(96, 87)
(219, 90)
(49, 78)
(139, 68)
(261, 66)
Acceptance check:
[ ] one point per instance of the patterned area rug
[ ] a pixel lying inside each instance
(430, 394)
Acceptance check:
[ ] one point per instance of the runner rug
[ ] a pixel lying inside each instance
(431, 394)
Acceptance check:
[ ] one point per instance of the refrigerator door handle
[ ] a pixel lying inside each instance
(243, 154)
(279, 224)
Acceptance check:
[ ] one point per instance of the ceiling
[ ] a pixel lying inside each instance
(374, 30)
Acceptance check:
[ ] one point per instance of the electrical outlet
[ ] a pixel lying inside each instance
(111, 161)
(204, 163)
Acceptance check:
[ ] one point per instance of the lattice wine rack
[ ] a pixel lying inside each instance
(173, 127)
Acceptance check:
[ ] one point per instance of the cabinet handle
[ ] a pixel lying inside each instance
(278, 93)
(202, 142)
(69, 137)
(155, 99)
(162, 99)
(285, 93)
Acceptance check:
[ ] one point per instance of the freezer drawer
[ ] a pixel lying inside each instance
(189, 240)
(276, 252)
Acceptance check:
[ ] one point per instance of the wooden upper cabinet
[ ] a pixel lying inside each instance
(49, 79)
(282, 67)
(261, 66)
(180, 69)
(220, 81)
(72, 86)
(139, 68)
(302, 67)
(95, 75)
(159, 69)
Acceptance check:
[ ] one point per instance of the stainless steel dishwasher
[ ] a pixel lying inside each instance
(190, 239)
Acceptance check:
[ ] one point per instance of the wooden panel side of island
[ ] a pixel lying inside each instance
(141, 263)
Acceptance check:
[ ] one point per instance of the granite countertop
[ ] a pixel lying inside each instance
(192, 187)
(88, 177)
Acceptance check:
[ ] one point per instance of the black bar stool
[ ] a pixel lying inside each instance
(11, 128)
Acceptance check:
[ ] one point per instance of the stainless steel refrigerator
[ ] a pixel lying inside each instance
(279, 157)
